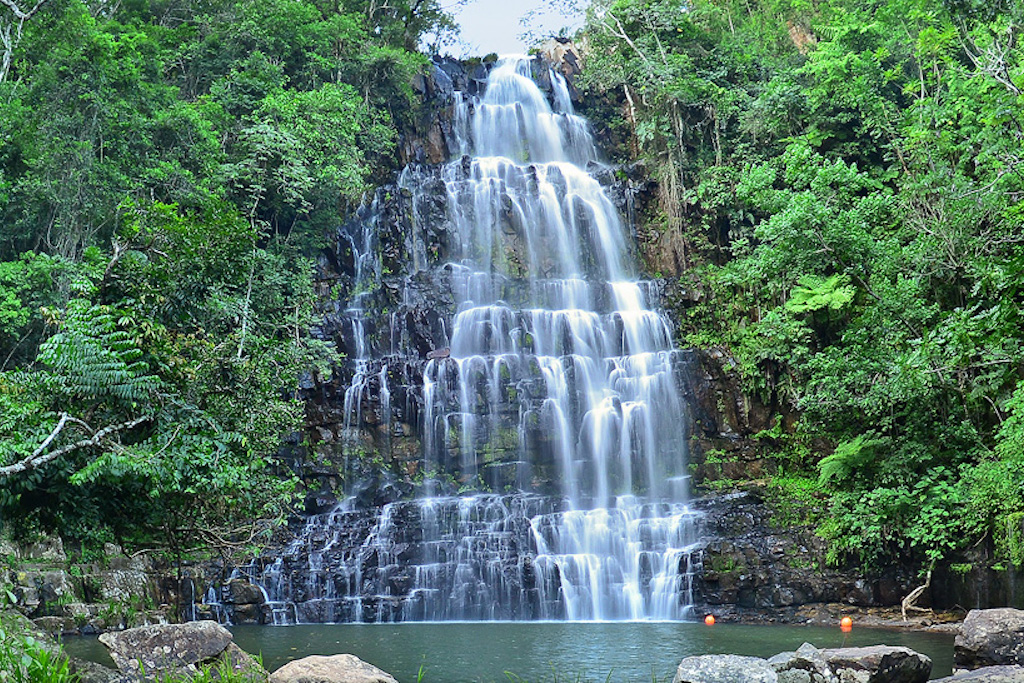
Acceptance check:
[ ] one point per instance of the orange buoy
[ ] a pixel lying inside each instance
(846, 623)
(710, 620)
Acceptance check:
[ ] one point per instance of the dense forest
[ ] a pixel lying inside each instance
(845, 175)
(167, 169)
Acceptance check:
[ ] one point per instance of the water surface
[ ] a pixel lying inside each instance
(617, 652)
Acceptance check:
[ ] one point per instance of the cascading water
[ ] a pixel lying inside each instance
(555, 407)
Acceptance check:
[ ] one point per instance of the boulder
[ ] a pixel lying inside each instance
(91, 672)
(123, 585)
(725, 669)
(806, 665)
(55, 586)
(242, 592)
(878, 664)
(333, 669)
(57, 626)
(166, 646)
(1004, 674)
(241, 662)
(990, 637)
(988, 674)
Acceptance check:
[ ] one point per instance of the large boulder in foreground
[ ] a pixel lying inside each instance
(724, 669)
(878, 664)
(333, 669)
(989, 637)
(988, 674)
(179, 649)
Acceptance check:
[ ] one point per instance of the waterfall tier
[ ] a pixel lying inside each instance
(551, 395)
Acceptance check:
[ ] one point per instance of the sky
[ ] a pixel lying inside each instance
(498, 25)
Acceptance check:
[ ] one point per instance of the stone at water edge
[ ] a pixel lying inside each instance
(724, 669)
(166, 646)
(333, 669)
(878, 664)
(241, 662)
(806, 665)
(90, 672)
(988, 674)
(989, 637)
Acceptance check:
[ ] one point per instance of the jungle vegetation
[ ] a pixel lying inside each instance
(847, 175)
(167, 170)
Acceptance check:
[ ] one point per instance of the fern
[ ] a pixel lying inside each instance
(95, 360)
(815, 293)
(848, 456)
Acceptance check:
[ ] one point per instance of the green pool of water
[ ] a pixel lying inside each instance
(616, 652)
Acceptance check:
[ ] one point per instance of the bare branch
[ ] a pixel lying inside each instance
(40, 457)
(10, 32)
(995, 59)
(20, 14)
(621, 33)
(910, 602)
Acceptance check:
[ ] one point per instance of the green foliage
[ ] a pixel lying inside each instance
(24, 659)
(919, 520)
(846, 173)
(814, 293)
(847, 458)
(166, 173)
(795, 500)
(91, 357)
(1010, 444)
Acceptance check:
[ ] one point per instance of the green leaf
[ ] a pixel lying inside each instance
(815, 293)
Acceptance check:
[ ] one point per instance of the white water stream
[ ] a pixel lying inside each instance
(572, 383)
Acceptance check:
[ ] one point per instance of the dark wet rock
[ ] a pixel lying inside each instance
(333, 669)
(878, 664)
(439, 353)
(241, 592)
(724, 669)
(318, 502)
(987, 674)
(57, 626)
(91, 672)
(751, 565)
(990, 637)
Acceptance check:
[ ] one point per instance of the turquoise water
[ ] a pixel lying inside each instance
(512, 652)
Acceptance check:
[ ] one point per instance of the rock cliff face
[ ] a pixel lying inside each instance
(757, 569)
(391, 289)
(391, 258)
(388, 291)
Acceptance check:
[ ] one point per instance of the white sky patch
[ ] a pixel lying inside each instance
(505, 26)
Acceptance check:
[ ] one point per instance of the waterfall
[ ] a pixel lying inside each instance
(555, 410)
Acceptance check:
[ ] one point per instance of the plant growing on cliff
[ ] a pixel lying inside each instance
(846, 176)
